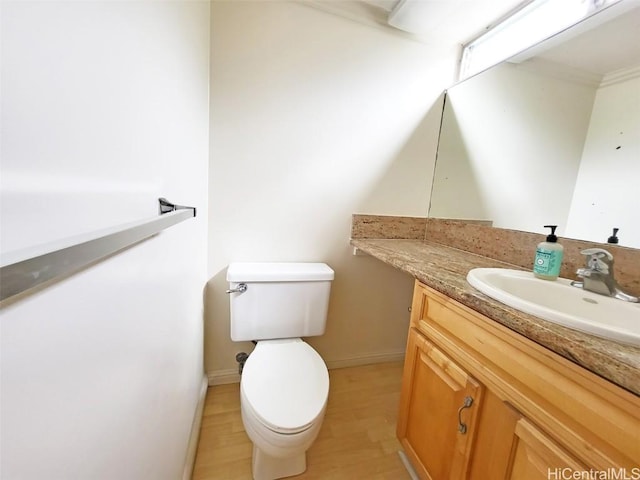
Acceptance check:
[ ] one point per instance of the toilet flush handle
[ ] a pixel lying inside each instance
(241, 288)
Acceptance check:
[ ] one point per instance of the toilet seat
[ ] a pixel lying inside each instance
(286, 385)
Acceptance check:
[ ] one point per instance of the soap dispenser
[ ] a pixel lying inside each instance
(548, 257)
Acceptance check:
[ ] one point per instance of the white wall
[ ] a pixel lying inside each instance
(510, 148)
(606, 193)
(104, 108)
(314, 118)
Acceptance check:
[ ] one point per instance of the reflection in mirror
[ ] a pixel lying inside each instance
(552, 138)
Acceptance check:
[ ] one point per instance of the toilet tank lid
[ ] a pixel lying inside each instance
(278, 272)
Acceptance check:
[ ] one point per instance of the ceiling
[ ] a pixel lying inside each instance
(441, 21)
(608, 47)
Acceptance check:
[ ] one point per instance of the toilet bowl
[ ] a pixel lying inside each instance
(283, 398)
(285, 384)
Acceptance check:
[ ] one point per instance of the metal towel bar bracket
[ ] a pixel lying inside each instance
(165, 206)
(23, 270)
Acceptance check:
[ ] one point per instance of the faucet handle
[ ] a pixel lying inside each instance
(598, 252)
(598, 259)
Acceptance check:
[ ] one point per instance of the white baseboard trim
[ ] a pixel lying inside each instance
(192, 447)
(222, 377)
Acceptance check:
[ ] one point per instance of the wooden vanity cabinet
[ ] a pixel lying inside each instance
(535, 455)
(437, 429)
(532, 413)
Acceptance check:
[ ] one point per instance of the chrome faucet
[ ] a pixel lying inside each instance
(597, 275)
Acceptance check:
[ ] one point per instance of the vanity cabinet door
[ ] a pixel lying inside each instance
(536, 456)
(438, 406)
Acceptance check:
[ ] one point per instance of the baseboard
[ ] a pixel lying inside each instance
(192, 448)
(366, 360)
(221, 377)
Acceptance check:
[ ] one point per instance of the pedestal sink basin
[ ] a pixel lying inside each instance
(559, 302)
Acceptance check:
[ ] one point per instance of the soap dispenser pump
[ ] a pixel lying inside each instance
(548, 257)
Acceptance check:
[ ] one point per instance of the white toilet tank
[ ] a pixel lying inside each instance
(281, 300)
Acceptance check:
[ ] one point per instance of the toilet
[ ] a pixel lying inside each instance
(285, 383)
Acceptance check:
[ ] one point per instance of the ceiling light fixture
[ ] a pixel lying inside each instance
(536, 21)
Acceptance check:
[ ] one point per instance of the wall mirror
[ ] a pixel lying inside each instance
(551, 136)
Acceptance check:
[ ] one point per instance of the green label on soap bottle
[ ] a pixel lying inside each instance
(547, 262)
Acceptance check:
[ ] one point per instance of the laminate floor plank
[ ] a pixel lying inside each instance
(357, 439)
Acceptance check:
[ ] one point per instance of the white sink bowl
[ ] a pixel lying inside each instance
(559, 302)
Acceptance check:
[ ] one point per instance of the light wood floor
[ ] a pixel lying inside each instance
(357, 439)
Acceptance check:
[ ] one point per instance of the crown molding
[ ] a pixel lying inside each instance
(620, 76)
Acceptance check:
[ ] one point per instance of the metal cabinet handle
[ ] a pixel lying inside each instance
(462, 427)
(241, 288)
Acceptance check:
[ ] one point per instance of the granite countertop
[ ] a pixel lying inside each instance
(445, 269)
